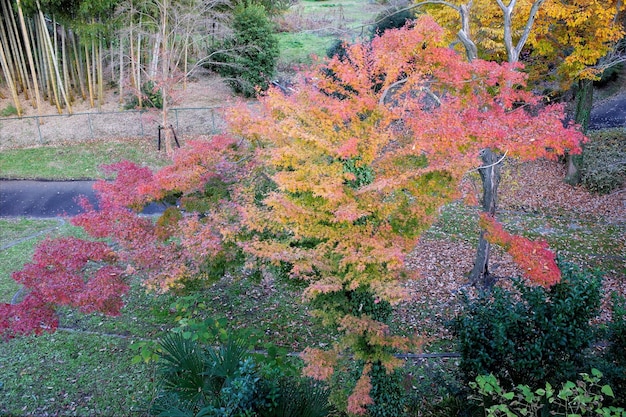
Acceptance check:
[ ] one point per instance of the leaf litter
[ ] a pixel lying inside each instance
(571, 219)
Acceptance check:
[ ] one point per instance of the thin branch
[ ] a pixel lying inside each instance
(528, 27)
(384, 95)
(490, 165)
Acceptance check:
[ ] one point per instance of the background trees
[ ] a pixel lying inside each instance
(61, 50)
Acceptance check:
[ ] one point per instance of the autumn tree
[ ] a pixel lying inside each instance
(192, 240)
(347, 173)
(364, 155)
(566, 45)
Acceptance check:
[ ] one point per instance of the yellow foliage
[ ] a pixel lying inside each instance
(572, 34)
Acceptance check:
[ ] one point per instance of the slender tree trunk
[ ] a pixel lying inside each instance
(9, 64)
(47, 51)
(490, 176)
(89, 80)
(66, 72)
(121, 65)
(54, 62)
(583, 101)
(41, 59)
(165, 75)
(79, 67)
(100, 75)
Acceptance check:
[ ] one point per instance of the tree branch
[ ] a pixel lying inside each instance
(490, 165)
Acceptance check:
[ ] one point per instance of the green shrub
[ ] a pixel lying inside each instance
(253, 51)
(532, 337)
(581, 398)
(299, 397)
(272, 7)
(604, 161)
(9, 110)
(151, 97)
(613, 363)
(198, 379)
(337, 48)
(388, 392)
(611, 73)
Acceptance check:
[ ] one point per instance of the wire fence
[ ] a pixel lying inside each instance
(51, 129)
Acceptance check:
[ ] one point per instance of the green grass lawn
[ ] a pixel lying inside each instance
(77, 160)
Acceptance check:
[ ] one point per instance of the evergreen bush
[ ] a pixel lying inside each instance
(252, 51)
(198, 378)
(151, 97)
(531, 337)
(391, 18)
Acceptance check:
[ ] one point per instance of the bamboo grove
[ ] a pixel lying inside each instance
(64, 51)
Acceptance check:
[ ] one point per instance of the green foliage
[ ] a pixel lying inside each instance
(604, 161)
(387, 392)
(272, 7)
(151, 97)
(198, 379)
(610, 74)
(363, 174)
(299, 397)
(357, 302)
(613, 363)
(337, 48)
(253, 51)
(617, 330)
(574, 399)
(537, 336)
(391, 18)
(8, 111)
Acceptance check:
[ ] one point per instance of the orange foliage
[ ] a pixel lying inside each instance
(364, 154)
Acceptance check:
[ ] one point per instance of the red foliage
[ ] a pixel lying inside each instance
(537, 261)
(32, 315)
(66, 271)
(177, 245)
(86, 274)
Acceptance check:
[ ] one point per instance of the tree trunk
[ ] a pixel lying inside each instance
(583, 101)
(490, 176)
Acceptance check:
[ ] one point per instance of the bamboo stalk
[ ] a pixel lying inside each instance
(54, 61)
(79, 67)
(100, 75)
(89, 83)
(121, 64)
(29, 54)
(47, 50)
(23, 68)
(66, 72)
(9, 78)
(41, 61)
